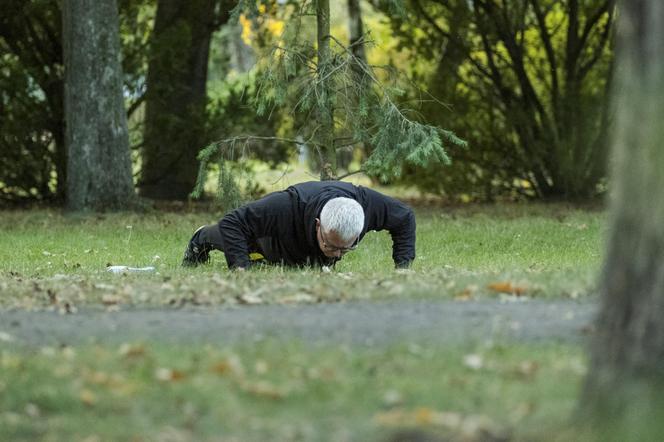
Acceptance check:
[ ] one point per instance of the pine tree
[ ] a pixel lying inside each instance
(340, 100)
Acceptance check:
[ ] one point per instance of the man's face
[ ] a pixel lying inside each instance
(330, 244)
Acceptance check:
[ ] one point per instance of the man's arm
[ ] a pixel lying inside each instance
(248, 223)
(386, 213)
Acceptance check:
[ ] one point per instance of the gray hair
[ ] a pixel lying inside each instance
(344, 216)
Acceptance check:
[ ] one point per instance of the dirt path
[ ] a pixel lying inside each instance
(357, 323)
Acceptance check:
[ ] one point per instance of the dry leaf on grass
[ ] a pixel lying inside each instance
(465, 295)
(264, 389)
(469, 428)
(419, 417)
(527, 369)
(111, 299)
(87, 397)
(507, 287)
(228, 366)
(169, 375)
(131, 350)
(297, 298)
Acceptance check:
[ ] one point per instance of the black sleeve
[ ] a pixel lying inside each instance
(251, 221)
(386, 213)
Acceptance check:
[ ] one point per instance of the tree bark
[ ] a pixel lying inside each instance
(360, 68)
(325, 103)
(99, 173)
(176, 97)
(356, 30)
(626, 378)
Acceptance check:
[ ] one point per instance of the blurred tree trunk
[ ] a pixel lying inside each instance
(626, 380)
(176, 95)
(325, 100)
(99, 173)
(356, 30)
(357, 48)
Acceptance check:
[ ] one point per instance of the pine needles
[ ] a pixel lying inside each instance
(337, 101)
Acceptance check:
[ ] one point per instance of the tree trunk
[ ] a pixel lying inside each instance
(360, 66)
(99, 165)
(176, 97)
(356, 30)
(326, 101)
(626, 379)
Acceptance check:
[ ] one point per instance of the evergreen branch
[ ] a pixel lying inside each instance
(346, 175)
(359, 62)
(301, 56)
(248, 138)
(336, 68)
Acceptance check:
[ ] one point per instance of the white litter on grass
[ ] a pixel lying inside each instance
(473, 361)
(127, 269)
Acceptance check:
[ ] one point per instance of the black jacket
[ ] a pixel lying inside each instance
(282, 225)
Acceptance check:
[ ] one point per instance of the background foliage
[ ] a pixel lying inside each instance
(524, 82)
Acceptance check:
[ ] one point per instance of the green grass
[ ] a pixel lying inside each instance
(52, 259)
(285, 392)
(290, 390)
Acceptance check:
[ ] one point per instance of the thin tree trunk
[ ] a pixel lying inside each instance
(626, 379)
(176, 97)
(99, 173)
(325, 103)
(360, 68)
(356, 30)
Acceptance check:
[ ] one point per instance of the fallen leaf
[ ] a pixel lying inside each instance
(97, 378)
(103, 286)
(465, 295)
(298, 298)
(527, 369)
(229, 366)
(169, 375)
(249, 299)
(88, 397)
(264, 389)
(507, 287)
(131, 350)
(110, 299)
(422, 416)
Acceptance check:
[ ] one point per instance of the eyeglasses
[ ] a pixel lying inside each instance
(330, 248)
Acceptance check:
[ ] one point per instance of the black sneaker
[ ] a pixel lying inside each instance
(195, 255)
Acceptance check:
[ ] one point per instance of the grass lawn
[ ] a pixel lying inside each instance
(50, 260)
(291, 391)
(285, 391)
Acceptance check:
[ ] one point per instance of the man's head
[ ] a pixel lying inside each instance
(339, 226)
